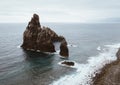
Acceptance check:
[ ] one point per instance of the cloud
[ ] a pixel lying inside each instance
(59, 10)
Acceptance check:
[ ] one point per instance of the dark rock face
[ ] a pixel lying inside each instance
(69, 63)
(64, 49)
(118, 54)
(39, 38)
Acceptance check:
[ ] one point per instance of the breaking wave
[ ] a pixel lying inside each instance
(98, 48)
(57, 52)
(85, 72)
(19, 46)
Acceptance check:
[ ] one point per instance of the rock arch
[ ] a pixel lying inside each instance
(37, 38)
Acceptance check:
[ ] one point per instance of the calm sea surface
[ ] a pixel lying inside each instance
(19, 67)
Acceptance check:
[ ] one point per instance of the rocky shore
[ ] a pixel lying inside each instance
(42, 39)
(110, 73)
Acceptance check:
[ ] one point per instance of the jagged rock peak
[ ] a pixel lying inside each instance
(34, 23)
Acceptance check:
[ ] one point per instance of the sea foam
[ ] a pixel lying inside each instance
(19, 46)
(57, 52)
(98, 48)
(71, 45)
(85, 72)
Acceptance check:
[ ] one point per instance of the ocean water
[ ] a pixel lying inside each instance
(91, 46)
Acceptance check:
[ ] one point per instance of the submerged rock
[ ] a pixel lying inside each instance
(40, 38)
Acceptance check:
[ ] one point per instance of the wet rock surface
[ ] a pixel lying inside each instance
(110, 73)
(64, 49)
(69, 63)
(37, 38)
(118, 54)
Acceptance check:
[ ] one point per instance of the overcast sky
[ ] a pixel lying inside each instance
(59, 10)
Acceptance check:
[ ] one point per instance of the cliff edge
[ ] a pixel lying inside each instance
(110, 74)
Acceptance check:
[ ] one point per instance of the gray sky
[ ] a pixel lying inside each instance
(59, 10)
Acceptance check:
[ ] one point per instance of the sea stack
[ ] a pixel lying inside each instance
(42, 39)
(64, 48)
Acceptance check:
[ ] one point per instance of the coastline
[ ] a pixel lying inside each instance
(109, 74)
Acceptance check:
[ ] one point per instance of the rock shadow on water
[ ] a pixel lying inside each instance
(40, 61)
(36, 65)
(30, 69)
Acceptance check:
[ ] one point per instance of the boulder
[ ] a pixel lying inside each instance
(69, 63)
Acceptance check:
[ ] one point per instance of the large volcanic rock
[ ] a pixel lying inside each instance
(41, 39)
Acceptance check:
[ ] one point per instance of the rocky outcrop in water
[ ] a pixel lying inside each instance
(41, 39)
(69, 63)
(64, 49)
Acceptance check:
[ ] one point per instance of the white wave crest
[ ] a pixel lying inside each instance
(85, 72)
(98, 48)
(71, 45)
(57, 52)
(19, 46)
(113, 46)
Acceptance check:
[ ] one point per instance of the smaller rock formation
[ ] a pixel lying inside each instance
(69, 63)
(42, 39)
(64, 49)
